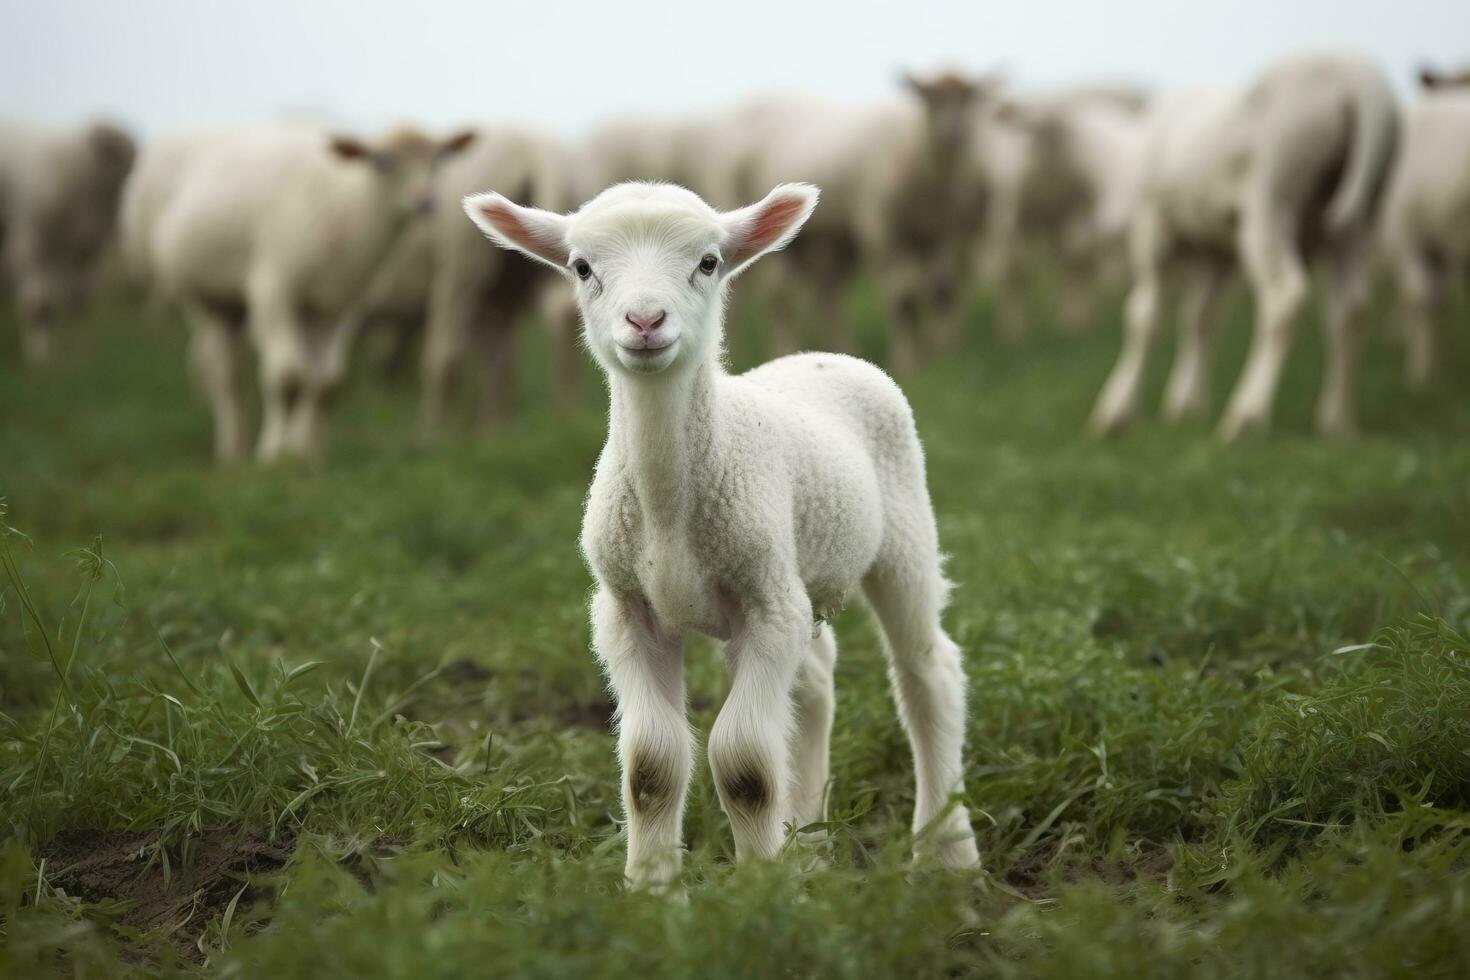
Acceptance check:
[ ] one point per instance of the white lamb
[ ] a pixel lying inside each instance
(748, 508)
(273, 235)
(59, 188)
(1426, 222)
(1287, 170)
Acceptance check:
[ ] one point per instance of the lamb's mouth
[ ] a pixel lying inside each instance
(647, 351)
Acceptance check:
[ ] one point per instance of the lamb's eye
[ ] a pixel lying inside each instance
(708, 263)
(582, 269)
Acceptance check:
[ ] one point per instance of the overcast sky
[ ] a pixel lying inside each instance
(167, 64)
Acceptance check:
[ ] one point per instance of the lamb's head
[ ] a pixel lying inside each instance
(650, 263)
(405, 159)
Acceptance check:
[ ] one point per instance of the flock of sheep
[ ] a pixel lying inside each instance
(288, 240)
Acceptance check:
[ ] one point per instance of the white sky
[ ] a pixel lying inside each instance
(168, 64)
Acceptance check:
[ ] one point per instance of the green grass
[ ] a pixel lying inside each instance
(282, 722)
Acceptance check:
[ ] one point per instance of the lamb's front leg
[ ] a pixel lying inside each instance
(748, 751)
(645, 667)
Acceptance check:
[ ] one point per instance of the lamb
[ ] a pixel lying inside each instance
(747, 508)
(1426, 234)
(59, 190)
(274, 234)
(1288, 170)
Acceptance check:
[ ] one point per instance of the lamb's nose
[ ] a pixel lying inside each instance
(645, 324)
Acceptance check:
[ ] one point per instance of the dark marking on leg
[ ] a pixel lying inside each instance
(648, 785)
(746, 789)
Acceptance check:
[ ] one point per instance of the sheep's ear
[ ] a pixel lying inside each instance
(540, 234)
(769, 224)
(1429, 78)
(456, 143)
(349, 148)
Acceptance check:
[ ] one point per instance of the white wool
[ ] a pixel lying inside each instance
(1426, 223)
(1237, 177)
(748, 508)
(59, 190)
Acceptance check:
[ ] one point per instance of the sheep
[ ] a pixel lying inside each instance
(1426, 235)
(901, 177)
(59, 190)
(273, 234)
(1287, 170)
(1064, 165)
(747, 508)
(475, 300)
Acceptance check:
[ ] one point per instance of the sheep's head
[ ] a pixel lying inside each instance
(405, 159)
(649, 262)
(952, 104)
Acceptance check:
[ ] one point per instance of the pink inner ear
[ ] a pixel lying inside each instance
(771, 222)
(508, 223)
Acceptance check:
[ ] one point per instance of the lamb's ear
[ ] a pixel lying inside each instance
(1429, 78)
(769, 224)
(540, 234)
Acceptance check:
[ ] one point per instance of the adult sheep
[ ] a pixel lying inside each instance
(1426, 222)
(1272, 177)
(59, 190)
(747, 508)
(904, 203)
(271, 236)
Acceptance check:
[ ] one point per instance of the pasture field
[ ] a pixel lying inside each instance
(277, 722)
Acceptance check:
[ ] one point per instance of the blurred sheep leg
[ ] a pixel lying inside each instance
(903, 291)
(1118, 402)
(1348, 278)
(1187, 395)
(447, 340)
(216, 363)
(558, 310)
(1003, 281)
(284, 366)
(1279, 284)
(497, 344)
(326, 366)
(1419, 291)
(37, 292)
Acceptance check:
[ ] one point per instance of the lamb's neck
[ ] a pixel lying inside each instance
(664, 427)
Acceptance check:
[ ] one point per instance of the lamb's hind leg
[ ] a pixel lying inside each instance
(907, 591)
(813, 736)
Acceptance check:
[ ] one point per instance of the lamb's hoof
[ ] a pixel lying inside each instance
(961, 853)
(958, 853)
